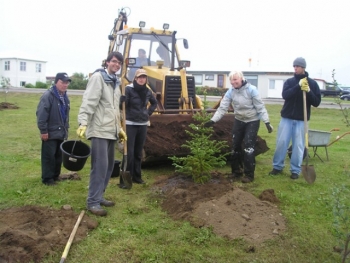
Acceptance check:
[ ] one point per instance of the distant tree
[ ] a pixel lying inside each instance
(5, 85)
(79, 81)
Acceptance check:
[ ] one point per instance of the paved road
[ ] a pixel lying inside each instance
(324, 104)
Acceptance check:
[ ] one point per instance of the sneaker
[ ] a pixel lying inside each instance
(294, 176)
(107, 203)
(50, 182)
(97, 210)
(247, 179)
(275, 172)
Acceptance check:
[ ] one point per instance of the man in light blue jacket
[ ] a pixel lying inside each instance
(249, 109)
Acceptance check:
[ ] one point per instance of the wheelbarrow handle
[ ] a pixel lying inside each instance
(338, 138)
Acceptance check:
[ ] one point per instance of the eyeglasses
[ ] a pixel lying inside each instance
(117, 62)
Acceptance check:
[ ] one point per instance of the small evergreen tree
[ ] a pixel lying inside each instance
(205, 154)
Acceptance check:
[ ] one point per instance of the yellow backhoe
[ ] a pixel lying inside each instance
(174, 89)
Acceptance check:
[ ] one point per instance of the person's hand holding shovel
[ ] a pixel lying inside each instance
(304, 85)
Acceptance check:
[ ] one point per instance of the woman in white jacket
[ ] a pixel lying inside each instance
(249, 109)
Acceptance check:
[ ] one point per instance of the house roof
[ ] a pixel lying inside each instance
(20, 55)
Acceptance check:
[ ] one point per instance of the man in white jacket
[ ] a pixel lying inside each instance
(99, 119)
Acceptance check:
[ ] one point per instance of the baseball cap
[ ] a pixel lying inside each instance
(62, 76)
(140, 72)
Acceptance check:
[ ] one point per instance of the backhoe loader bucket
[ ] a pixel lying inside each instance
(167, 133)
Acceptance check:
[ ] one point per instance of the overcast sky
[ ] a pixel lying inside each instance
(71, 35)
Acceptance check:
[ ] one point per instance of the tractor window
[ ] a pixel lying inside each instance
(147, 49)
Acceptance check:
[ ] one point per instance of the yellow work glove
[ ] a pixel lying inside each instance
(81, 131)
(122, 136)
(304, 85)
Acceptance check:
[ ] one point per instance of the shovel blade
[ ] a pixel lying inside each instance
(309, 173)
(127, 179)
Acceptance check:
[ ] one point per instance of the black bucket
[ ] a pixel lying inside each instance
(116, 169)
(74, 155)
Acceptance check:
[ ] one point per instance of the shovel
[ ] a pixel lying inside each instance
(307, 170)
(125, 175)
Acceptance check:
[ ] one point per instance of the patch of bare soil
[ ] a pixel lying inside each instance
(29, 233)
(7, 105)
(229, 210)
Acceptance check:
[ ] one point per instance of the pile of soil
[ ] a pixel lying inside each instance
(7, 105)
(230, 211)
(29, 233)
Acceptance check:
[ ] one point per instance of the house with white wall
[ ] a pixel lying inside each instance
(269, 83)
(321, 83)
(21, 70)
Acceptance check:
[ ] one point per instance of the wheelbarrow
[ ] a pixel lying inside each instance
(322, 139)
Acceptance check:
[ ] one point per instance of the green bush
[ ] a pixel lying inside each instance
(79, 81)
(210, 91)
(29, 86)
(41, 85)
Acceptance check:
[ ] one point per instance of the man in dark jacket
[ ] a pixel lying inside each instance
(53, 122)
(291, 127)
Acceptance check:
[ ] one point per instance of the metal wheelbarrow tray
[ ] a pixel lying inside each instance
(321, 139)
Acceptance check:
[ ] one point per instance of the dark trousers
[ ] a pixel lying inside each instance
(51, 160)
(244, 157)
(102, 164)
(136, 140)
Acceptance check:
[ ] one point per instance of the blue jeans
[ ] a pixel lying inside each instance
(289, 130)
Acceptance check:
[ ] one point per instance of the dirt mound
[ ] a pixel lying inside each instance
(29, 233)
(230, 211)
(7, 105)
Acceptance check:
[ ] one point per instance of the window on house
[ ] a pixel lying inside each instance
(209, 77)
(38, 67)
(252, 80)
(198, 79)
(7, 65)
(22, 83)
(23, 66)
(276, 83)
(221, 81)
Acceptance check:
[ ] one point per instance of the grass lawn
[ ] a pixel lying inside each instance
(137, 230)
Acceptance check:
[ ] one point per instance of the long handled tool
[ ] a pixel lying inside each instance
(71, 237)
(307, 170)
(126, 176)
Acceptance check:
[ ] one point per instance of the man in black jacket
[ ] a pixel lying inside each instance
(53, 122)
(291, 126)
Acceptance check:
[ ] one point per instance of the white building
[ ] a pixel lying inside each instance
(22, 71)
(269, 83)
